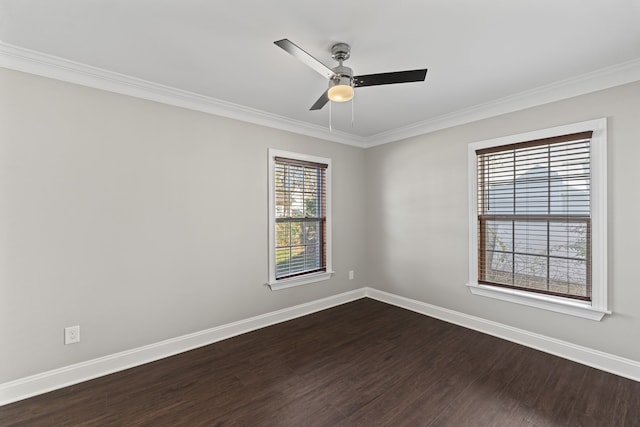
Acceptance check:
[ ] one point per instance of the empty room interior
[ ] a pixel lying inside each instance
(330, 213)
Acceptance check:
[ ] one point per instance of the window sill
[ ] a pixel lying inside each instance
(545, 302)
(276, 285)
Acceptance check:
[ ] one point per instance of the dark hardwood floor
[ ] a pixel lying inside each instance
(360, 364)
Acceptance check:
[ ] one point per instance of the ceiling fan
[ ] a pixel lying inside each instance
(341, 78)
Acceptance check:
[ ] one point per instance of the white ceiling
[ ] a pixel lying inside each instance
(477, 52)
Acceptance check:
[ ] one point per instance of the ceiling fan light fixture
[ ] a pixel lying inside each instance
(340, 93)
(340, 88)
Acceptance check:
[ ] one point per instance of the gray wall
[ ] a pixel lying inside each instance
(417, 209)
(141, 222)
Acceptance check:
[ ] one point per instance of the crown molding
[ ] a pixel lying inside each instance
(605, 78)
(38, 63)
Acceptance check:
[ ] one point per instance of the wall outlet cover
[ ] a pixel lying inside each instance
(72, 334)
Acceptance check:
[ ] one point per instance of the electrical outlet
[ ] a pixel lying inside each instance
(351, 275)
(72, 334)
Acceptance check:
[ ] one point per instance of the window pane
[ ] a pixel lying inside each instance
(568, 276)
(499, 252)
(283, 204)
(296, 177)
(283, 234)
(499, 267)
(311, 179)
(530, 271)
(530, 237)
(297, 233)
(499, 236)
(568, 240)
(297, 204)
(311, 232)
(280, 177)
(311, 205)
(297, 259)
(283, 257)
(312, 257)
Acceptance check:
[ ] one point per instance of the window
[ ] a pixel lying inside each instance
(538, 219)
(299, 219)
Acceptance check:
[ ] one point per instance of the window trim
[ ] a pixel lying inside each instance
(302, 279)
(597, 307)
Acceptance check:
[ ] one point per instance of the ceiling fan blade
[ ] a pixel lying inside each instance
(303, 56)
(390, 78)
(324, 98)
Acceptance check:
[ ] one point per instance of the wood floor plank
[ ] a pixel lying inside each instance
(364, 363)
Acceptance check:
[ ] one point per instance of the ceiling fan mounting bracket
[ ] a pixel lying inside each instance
(340, 51)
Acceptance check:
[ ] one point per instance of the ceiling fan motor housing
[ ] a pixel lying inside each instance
(344, 76)
(340, 52)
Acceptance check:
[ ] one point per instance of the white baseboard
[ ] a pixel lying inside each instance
(58, 378)
(597, 359)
